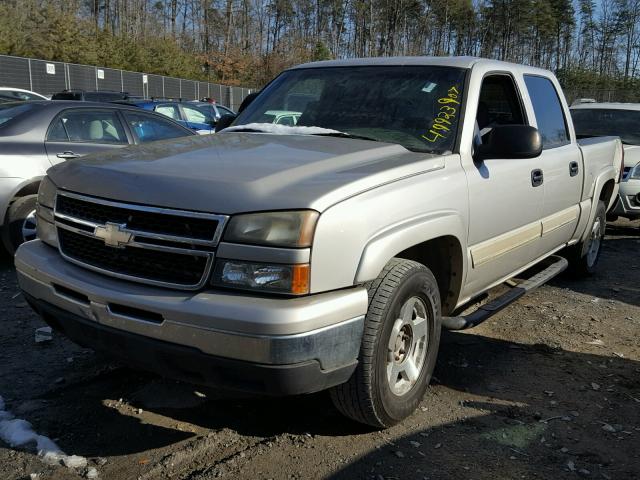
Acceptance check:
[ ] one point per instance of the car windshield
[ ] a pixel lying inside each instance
(9, 111)
(417, 107)
(604, 122)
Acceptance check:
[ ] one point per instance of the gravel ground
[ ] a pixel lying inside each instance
(547, 389)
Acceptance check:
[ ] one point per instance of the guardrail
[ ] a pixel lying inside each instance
(47, 77)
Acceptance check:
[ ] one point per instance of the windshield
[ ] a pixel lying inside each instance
(417, 107)
(604, 122)
(9, 111)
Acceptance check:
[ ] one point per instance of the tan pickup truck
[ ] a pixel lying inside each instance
(326, 255)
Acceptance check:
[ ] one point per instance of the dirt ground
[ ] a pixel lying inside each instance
(547, 389)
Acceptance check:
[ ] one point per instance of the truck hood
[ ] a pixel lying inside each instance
(229, 173)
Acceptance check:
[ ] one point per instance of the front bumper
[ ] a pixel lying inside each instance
(627, 204)
(211, 337)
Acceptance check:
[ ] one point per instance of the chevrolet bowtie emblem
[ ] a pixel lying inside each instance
(114, 234)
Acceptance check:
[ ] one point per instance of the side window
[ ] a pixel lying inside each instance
(149, 128)
(57, 132)
(194, 115)
(499, 103)
(88, 126)
(552, 123)
(170, 111)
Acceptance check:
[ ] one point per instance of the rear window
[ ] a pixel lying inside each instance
(605, 122)
(17, 96)
(9, 111)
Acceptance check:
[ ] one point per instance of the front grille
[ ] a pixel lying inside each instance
(159, 246)
(142, 220)
(158, 266)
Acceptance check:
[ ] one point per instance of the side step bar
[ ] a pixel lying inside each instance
(556, 265)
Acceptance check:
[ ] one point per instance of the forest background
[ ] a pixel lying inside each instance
(594, 48)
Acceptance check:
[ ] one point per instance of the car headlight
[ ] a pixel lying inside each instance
(270, 278)
(274, 229)
(635, 172)
(47, 193)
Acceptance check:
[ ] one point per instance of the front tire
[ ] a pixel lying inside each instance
(20, 223)
(399, 347)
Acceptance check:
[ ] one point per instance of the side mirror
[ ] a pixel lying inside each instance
(247, 100)
(224, 122)
(510, 141)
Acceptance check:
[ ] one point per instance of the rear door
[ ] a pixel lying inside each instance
(79, 131)
(560, 162)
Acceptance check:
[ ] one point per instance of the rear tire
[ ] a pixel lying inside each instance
(20, 223)
(399, 347)
(583, 257)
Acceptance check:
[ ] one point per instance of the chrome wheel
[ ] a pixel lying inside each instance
(594, 242)
(407, 348)
(29, 226)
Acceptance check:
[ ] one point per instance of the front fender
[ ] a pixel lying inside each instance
(9, 187)
(386, 244)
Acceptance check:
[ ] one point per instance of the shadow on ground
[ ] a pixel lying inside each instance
(507, 391)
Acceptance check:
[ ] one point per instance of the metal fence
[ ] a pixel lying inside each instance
(46, 77)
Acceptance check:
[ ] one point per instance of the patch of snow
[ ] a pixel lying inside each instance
(280, 129)
(74, 461)
(19, 433)
(92, 473)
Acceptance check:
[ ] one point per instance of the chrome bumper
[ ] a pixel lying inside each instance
(627, 204)
(325, 327)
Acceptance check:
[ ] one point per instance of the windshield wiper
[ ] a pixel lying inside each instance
(346, 135)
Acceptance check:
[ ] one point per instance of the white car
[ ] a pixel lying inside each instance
(623, 120)
(10, 94)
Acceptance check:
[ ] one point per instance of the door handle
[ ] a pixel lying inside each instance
(573, 169)
(67, 155)
(537, 177)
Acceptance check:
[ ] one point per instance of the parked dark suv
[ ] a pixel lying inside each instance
(84, 96)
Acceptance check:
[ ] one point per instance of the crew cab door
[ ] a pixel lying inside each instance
(505, 195)
(560, 162)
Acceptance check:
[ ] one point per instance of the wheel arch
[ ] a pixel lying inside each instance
(606, 194)
(605, 190)
(436, 242)
(27, 187)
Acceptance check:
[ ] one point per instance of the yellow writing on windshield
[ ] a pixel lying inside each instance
(441, 125)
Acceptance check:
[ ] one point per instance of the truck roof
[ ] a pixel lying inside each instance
(459, 62)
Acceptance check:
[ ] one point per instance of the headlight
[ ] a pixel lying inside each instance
(47, 193)
(275, 229)
(287, 279)
(635, 172)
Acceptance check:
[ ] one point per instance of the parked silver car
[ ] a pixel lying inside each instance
(36, 135)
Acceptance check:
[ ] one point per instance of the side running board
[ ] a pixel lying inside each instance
(555, 265)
